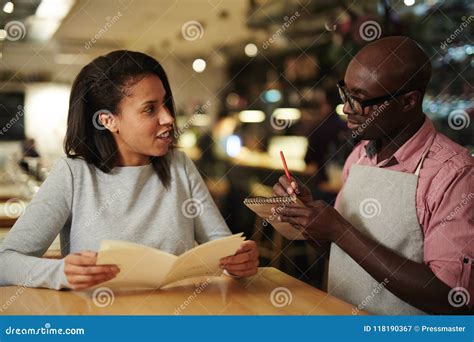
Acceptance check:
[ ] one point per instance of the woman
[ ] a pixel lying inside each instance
(121, 180)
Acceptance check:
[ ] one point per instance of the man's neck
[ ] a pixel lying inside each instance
(388, 146)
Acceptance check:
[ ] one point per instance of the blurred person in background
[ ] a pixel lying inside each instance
(327, 137)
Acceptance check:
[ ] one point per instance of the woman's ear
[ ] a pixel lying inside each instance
(108, 120)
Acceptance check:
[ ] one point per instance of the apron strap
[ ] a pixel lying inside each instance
(418, 168)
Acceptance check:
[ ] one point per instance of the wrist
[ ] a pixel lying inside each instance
(339, 232)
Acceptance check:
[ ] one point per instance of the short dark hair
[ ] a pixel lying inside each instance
(99, 86)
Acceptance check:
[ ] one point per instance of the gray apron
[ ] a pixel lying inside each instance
(381, 204)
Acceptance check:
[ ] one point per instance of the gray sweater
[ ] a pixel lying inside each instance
(85, 205)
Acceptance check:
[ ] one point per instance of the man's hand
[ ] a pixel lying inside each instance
(318, 221)
(285, 188)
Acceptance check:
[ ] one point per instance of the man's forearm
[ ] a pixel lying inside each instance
(413, 282)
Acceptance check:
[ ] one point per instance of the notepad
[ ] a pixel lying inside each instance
(262, 207)
(146, 267)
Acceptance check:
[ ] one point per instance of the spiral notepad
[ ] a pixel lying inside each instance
(262, 206)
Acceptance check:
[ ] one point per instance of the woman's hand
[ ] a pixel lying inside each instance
(285, 188)
(244, 263)
(82, 272)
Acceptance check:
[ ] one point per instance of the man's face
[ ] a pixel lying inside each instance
(378, 121)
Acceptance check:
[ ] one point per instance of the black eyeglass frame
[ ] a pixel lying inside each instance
(346, 97)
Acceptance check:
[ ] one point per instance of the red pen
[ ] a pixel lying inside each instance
(287, 173)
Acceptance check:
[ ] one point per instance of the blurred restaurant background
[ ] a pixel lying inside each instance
(249, 77)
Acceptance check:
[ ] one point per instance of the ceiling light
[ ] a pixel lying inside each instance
(251, 50)
(199, 65)
(251, 116)
(9, 7)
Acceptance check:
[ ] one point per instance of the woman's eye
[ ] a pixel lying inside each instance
(150, 109)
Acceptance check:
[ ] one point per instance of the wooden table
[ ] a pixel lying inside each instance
(218, 296)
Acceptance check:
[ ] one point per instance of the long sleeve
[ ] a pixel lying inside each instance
(208, 221)
(448, 248)
(34, 232)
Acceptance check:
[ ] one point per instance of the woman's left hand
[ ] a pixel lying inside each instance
(244, 263)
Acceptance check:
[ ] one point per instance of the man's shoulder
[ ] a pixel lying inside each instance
(447, 153)
(448, 163)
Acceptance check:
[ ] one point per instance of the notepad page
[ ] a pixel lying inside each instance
(262, 206)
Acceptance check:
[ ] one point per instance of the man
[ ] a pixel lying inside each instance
(401, 234)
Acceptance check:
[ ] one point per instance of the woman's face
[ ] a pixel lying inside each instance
(144, 125)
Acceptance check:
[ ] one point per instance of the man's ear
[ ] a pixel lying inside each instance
(108, 120)
(411, 100)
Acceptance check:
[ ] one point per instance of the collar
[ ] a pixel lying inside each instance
(409, 154)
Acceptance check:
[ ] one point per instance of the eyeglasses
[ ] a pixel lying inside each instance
(358, 106)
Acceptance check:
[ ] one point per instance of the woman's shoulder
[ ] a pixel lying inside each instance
(179, 159)
(181, 164)
(74, 163)
(67, 166)
(77, 167)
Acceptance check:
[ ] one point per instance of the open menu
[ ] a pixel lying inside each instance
(146, 267)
